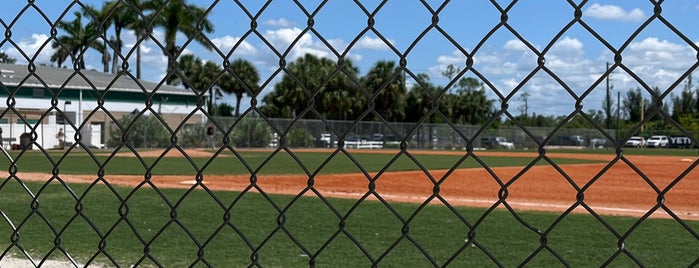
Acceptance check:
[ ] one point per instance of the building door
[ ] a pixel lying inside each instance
(97, 139)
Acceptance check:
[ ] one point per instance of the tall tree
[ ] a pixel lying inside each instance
(385, 82)
(120, 15)
(632, 103)
(207, 80)
(341, 98)
(420, 98)
(274, 105)
(78, 38)
(656, 102)
(242, 77)
(175, 17)
(472, 104)
(468, 102)
(312, 77)
(685, 103)
(99, 20)
(4, 58)
(199, 75)
(60, 55)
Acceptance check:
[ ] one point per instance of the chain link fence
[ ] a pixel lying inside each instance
(116, 184)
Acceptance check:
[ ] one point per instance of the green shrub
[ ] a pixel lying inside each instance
(192, 135)
(146, 132)
(299, 137)
(251, 132)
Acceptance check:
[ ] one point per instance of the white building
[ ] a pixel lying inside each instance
(34, 102)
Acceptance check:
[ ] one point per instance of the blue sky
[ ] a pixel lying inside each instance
(656, 55)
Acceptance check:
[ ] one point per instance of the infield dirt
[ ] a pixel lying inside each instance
(617, 189)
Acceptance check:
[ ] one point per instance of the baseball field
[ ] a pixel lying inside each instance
(415, 208)
(628, 185)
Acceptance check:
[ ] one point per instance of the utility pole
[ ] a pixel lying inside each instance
(525, 109)
(618, 108)
(643, 108)
(608, 101)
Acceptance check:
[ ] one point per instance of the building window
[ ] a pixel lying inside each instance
(38, 93)
(68, 115)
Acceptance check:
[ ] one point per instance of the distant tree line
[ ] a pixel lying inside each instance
(314, 87)
(632, 109)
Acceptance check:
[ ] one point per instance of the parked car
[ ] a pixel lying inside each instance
(377, 137)
(493, 142)
(598, 142)
(574, 140)
(579, 140)
(326, 140)
(354, 138)
(635, 141)
(658, 141)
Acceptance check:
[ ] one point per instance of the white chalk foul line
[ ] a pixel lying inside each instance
(490, 202)
(522, 204)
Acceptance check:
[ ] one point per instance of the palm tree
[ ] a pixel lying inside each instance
(60, 55)
(385, 82)
(319, 78)
(123, 15)
(420, 98)
(76, 41)
(174, 17)
(118, 14)
(207, 79)
(99, 20)
(341, 98)
(4, 58)
(198, 75)
(143, 30)
(189, 66)
(241, 77)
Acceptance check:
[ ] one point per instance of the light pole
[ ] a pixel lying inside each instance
(65, 117)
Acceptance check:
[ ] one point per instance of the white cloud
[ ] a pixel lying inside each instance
(226, 43)
(569, 44)
(567, 53)
(515, 45)
(509, 83)
(456, 58)
(281, 39)
(655, 44)
(356, 57)
(659, 54)
(612, 12)
(30, 47)
(338, 44)
(373, 43)
(281, 23)
(153, 61)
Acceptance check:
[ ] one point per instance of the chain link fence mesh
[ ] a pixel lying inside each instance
(137, 224)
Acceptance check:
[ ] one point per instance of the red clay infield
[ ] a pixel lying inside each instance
(619, 190)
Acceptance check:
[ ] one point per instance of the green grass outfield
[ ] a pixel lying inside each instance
(175, 226)
(632, 151)
(227, 227)
(281, 163)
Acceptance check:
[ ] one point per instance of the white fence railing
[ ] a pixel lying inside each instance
(46, 136)
(362, 144)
